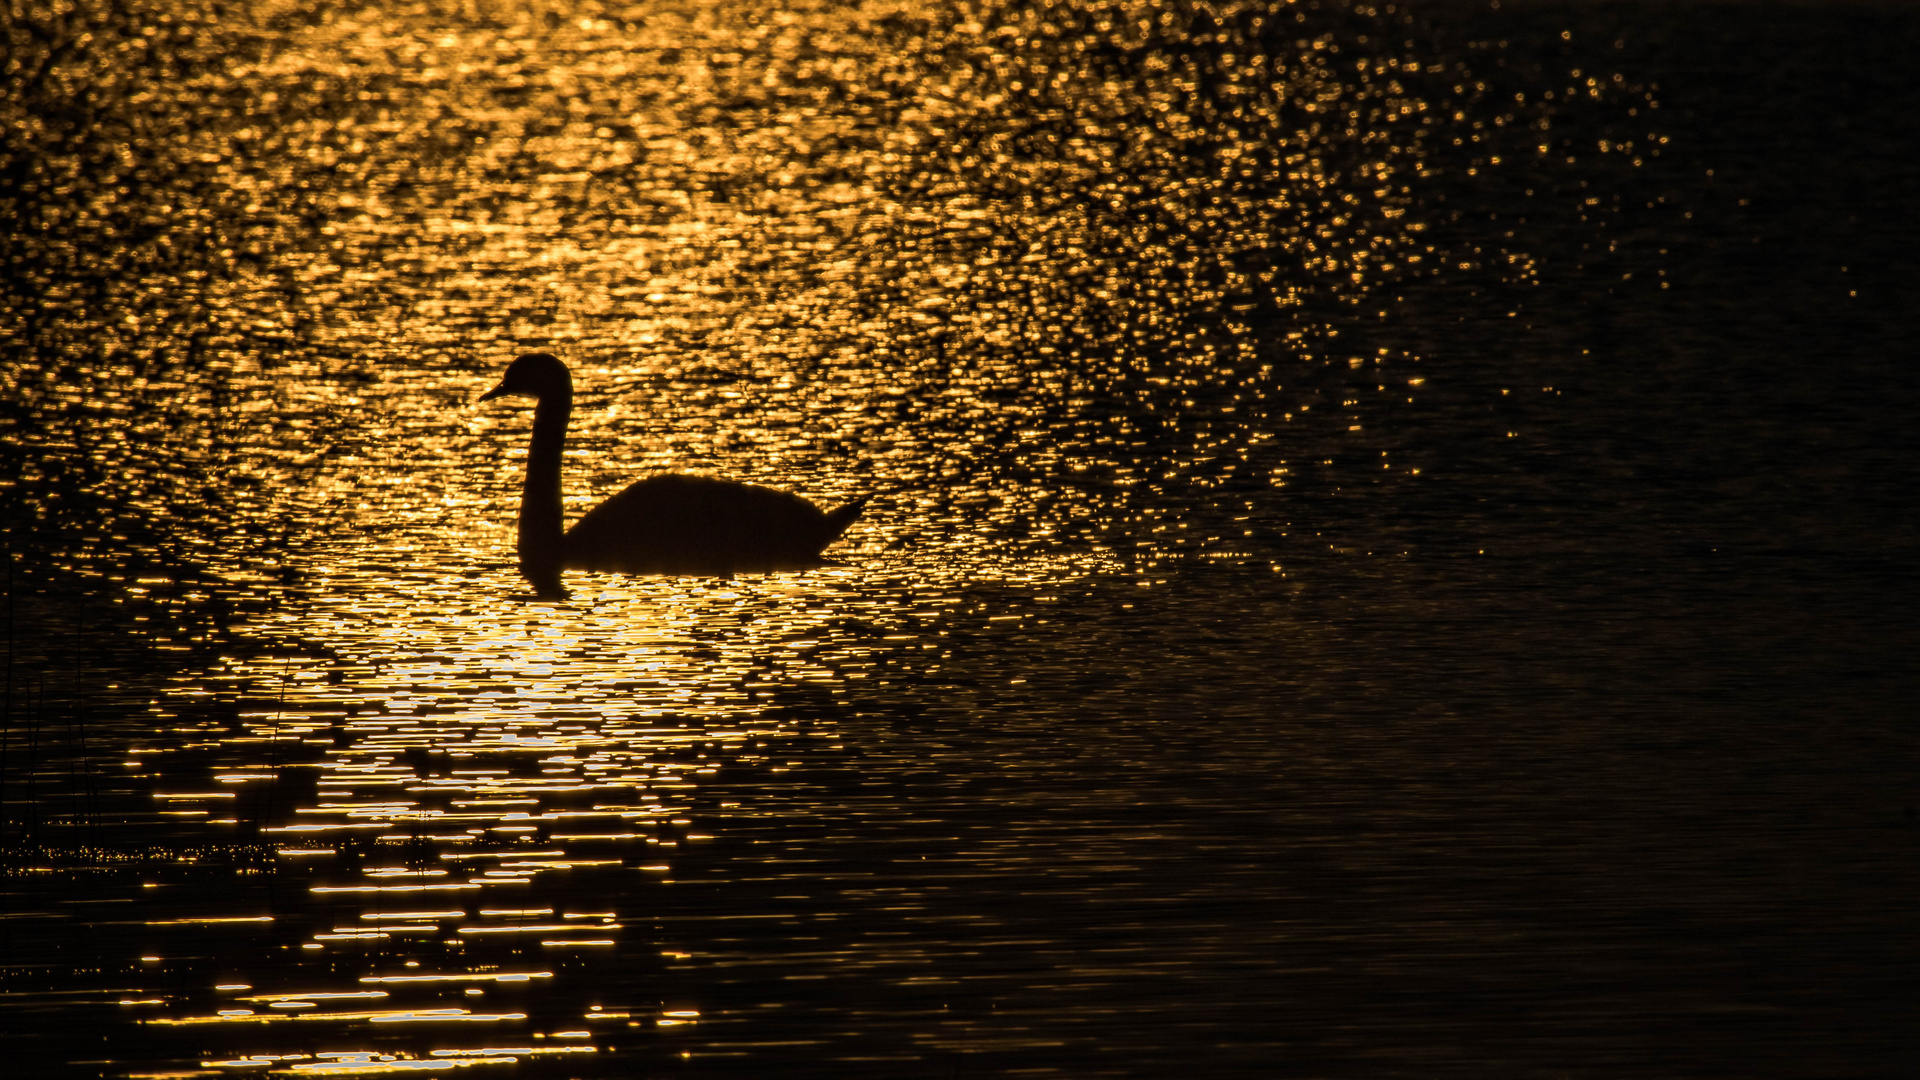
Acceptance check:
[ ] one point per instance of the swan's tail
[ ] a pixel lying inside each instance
(838, 519)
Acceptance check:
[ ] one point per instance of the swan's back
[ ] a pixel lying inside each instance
(697, 525)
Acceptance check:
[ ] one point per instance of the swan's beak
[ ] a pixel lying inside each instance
(498, 391)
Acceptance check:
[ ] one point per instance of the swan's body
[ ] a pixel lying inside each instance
(661, 525)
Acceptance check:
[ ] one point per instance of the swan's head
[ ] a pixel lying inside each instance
(534, 375)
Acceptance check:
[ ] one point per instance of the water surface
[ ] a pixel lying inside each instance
(1389, 555)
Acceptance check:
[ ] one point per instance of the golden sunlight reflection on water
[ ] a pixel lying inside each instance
(1063, 286)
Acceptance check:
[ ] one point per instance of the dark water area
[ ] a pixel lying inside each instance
(1392, 550)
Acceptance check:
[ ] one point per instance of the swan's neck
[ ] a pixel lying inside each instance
(541, 521)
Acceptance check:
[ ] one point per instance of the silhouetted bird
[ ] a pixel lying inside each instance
(668, 524)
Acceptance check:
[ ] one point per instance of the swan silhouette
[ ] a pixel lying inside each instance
(670, 524)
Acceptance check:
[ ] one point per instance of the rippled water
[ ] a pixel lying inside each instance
(1391, 550)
